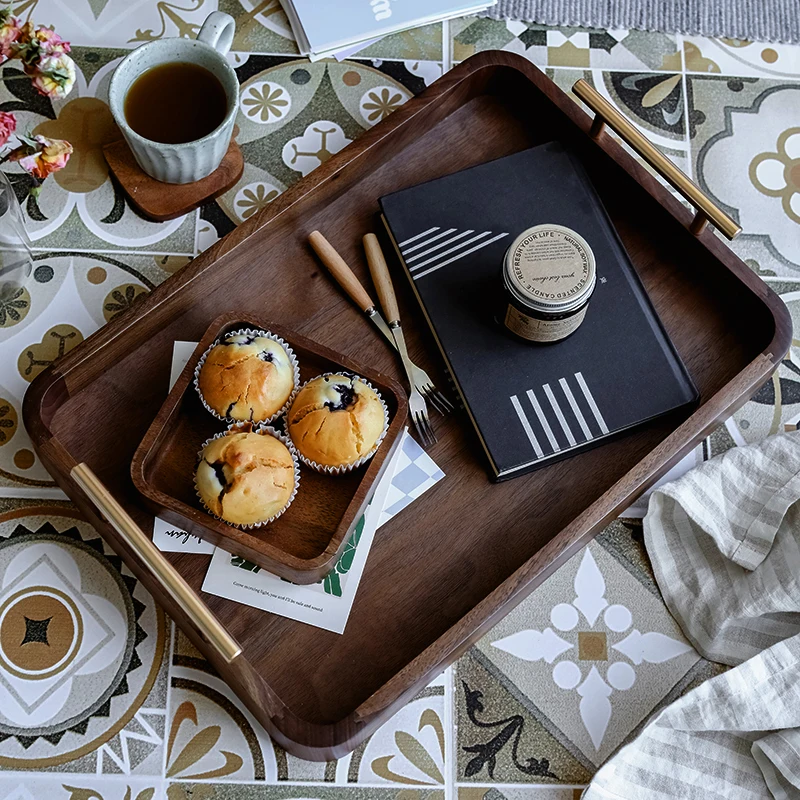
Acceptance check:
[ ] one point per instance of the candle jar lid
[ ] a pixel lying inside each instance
(550, 269)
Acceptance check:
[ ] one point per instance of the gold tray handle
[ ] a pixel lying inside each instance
(197, 612)
(606, 114)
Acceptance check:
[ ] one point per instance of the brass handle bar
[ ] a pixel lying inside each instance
(209, 627)
(606, 114)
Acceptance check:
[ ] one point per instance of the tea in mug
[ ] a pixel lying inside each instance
(175, 103)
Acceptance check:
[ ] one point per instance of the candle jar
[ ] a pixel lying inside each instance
(549, 276)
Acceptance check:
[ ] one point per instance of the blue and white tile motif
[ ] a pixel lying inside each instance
(416, 473)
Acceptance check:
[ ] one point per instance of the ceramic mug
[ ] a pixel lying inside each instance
(188, 161)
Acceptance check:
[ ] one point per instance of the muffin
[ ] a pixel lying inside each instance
(336, 421)
(247, 376)
(246, 477)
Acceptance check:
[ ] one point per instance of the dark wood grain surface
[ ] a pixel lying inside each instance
(305, 542)
(447, 568)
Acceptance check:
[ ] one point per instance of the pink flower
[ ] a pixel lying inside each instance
(10, 32)
(8, 124)
(53, 75)
(51, 42)
(33, 45)
(40, 156)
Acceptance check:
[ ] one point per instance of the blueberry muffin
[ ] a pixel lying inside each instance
(336, 420)
(246, 477)
(247, 377)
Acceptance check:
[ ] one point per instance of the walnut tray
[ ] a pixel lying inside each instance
(447, 568)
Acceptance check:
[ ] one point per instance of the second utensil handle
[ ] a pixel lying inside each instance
(381, 277)
(341, 272)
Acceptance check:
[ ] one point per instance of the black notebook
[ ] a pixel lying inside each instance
(532, 404)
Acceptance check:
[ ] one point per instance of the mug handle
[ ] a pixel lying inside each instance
(218, 30)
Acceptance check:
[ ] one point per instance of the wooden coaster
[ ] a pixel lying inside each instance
(162, 201)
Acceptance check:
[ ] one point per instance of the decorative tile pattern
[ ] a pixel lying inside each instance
(82, 651)
(235, 791)
(746, 153)
(566, 47)
(776, 405)
(132, 711)
(119, 23)
(212, 735)
(740, 57)
(70, 295)
(500, 738)
(261, 27)
(409, 751)
(82, 787)
(537, 707)
(591, 645)
(293, 115)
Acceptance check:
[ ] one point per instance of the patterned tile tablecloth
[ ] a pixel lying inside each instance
(123, 707)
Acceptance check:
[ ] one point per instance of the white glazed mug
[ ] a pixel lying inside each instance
(188, 161)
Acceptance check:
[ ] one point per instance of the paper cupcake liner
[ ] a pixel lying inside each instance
(249, 332)
(264, 430)
(341, 470)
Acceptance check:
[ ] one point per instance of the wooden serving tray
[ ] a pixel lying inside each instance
(303, 544)
(445, 570)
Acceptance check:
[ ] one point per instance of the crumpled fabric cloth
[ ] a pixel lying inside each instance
(724, 541)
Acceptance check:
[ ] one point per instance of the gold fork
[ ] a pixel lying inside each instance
(346, 278)
(383, 283)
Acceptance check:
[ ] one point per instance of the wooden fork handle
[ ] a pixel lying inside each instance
(381, 278)
(343, 275)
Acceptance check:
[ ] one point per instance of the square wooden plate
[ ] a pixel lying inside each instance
(304, 543)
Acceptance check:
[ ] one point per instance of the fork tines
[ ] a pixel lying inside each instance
(423, 428)
(437, 400)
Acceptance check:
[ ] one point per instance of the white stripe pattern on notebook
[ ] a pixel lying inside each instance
(548, 431)
(550, 418)
(526, 426)
(429, 245)
(451, 250)
(437, 246)
(456, 257)
(426, 242)
(575, 407)
(590, 400)
(402, 244)
(559, 415)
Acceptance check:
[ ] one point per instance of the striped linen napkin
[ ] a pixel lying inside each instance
(724, 541)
